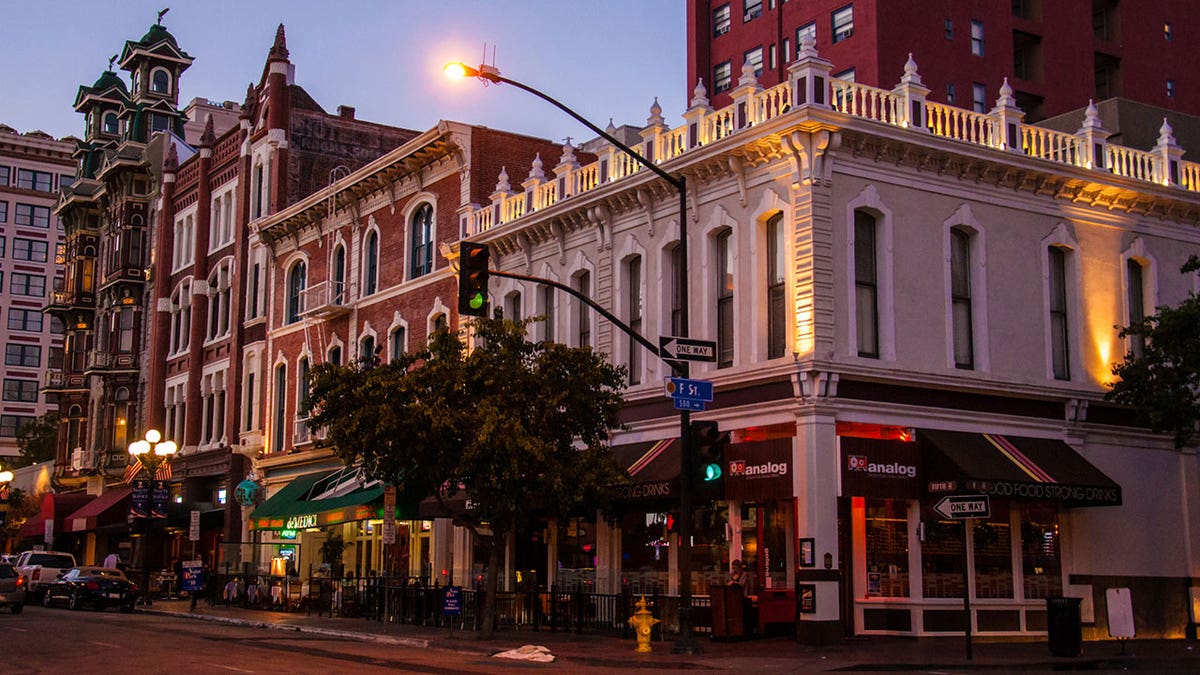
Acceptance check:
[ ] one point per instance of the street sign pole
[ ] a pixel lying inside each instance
(966, 525)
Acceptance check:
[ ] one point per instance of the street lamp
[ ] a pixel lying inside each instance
(6, 477)
(686, 644)
(149, 455)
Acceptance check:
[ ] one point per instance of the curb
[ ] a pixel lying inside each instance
(327, 632)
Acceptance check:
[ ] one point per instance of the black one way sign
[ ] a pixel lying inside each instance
(687, 349)
(964, 506)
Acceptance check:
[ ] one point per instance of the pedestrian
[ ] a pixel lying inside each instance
(112, 561)
(737, 574)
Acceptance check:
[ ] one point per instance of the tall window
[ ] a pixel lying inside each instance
(633, 282)
(280, 405)
(253, 291)
(256, 188)
(160, 81)
(371, 264)
(125, 324)
(366, 351)
(960, 298)
(422, 241)
(979, 98)
(1060, 350)
(338, 292)
(583, 323)
(722, 77)
(866, 285)
(295, 292)
(250, 404)
(776, 277)
(676, 271)
(181, 317)
(397, 341)
(977, 38)
(1137, 304)
(721, 20)
(301, 386)
(843, 23)
(724, 260)
(548, 312)
(120, 419)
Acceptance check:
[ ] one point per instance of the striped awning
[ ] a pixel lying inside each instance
(1017, 467)
(653, 469)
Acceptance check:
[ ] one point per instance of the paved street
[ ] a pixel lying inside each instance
(169, 639)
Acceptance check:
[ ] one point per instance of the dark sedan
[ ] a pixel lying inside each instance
(97, 587)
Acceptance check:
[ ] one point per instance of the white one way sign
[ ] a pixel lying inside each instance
(964, 506)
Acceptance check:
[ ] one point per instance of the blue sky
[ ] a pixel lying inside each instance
(604, 58)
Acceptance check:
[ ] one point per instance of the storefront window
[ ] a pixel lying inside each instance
(645, 552)
(576, 555)
(941, 556)
(992, 544)
(710, 548)
(887, 548)
(1040, 562)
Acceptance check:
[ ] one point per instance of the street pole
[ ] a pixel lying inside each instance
(686, 644)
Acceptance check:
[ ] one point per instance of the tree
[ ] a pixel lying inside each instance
(1163, 384)
(521, 426)
(38, 440)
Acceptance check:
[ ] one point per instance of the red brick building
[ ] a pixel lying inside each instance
(1056, 54)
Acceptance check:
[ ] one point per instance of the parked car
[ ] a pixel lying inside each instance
(41, 567)
(98, 587)
(12, 588)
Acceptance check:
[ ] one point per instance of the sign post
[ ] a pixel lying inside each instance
(965, 508)
(194, 531)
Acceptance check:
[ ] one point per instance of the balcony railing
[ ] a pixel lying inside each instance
(56, 379)
(904, 106)
(63, 300)
(325, 299)
(101, 360)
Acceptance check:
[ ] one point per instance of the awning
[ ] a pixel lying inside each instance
(108, 509)
(55, 508)
(653, 469)
(1013, 466)
(321, 499)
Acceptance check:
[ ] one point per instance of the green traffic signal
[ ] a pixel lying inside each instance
(476, 301)
(473, 279)
(712, 472)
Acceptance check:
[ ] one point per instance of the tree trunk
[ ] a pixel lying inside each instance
(488, 630)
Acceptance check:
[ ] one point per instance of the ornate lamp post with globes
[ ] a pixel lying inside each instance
(6, 477)
(151, 456)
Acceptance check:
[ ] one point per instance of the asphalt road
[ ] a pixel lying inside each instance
(61, 641)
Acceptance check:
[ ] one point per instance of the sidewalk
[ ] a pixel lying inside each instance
(877, 654)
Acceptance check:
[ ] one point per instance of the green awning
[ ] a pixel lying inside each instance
(317, 500)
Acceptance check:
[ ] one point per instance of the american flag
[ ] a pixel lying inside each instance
(135, 467)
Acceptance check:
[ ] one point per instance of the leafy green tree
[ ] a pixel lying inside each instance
(1163, 384)
(38, 440)
(521, 426)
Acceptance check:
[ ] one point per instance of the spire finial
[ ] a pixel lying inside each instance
(111, 60)
(161, 14)
(279, 48)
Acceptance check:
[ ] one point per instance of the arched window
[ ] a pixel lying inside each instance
(334, 356)
(160, 81)
(366, 351)
(111, 126)
(338, 290)
(120, 419)
(295, 292)
(724, 264)
(280, 405)
(422, 241)
(866, 285)
(633, 299)
(397, 343)
(371, 264)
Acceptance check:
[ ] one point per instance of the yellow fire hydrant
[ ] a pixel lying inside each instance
(642, 621)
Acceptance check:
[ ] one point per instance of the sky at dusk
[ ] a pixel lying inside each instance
(603, 58)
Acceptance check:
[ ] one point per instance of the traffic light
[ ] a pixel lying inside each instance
(473, 279)
(708, 454)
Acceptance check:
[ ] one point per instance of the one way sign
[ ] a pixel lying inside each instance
(687, 349)
(960, 507)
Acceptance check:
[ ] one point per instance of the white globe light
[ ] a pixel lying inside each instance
(6, 476)
(153, 435)
(137, 448)
(165, 449)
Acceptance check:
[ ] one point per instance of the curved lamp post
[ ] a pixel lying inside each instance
(686, 644)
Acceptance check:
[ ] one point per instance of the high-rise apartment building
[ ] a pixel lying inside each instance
(1056, 54)
(33, 166)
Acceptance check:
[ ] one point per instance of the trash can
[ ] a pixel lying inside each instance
(727, 611)
(1064, 628)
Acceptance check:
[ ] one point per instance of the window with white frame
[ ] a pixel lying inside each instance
(752, 9)
(960, 298)
(337, 280)
(297, 280)
(250, 393)
(675, 279)
(397, 343)
(1060, 334)
(843, 23)
(301, 432)
(1135, 302)
(421, 239)
(220, 289)
(723, 260)
(634, 305)
(547, 312)
(160, 81)
(184, 243)
(582, 282)
(776, 287)
(181, 317)
(212, 395)
(366, 351)
(175, 401)
(280, 407)
(255, 284)
(371, 263)
(866, 285)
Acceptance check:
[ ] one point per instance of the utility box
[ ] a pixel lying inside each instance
(1064, 628)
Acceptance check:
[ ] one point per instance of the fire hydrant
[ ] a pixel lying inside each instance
(642, 621)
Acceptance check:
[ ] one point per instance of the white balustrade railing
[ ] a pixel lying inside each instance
(1132, 163)
(850, 98)
(963, 125)
(860, 100)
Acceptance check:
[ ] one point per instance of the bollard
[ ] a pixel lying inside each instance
(642, 621)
